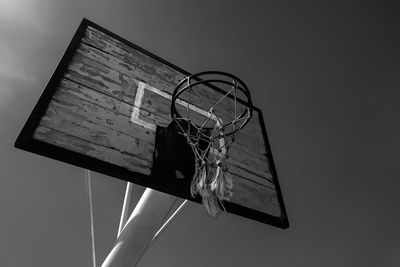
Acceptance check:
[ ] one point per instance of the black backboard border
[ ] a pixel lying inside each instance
(25, 140)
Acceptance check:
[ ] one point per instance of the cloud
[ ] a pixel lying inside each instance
(23, 26)
(12, 65)
(29, 13)
(15, 74)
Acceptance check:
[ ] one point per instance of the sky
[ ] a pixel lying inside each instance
(326, 77)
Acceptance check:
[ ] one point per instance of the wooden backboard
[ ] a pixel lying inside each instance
(100, 111)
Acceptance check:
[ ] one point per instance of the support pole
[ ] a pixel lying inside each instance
(145, 220)
(168, 221)
(125, 207)
(89, 191)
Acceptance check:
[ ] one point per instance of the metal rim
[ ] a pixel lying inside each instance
(240, 85)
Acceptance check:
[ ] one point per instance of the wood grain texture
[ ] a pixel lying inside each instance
(87, 148)
(61, 119)
(100, 109)
(159, 106)
(148, 69)
(90, 113)
(255, 196)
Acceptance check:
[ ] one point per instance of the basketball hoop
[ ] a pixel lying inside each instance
(211, 180)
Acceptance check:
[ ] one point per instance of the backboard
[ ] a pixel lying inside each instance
(100, 111)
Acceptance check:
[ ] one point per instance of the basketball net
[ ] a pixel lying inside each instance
(212, 180)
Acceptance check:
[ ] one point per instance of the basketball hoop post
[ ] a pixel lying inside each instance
(146, 219)
(125, 207)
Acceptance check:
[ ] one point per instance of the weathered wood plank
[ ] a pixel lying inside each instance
(260, 176)
(95, 97)
(160, 106)
(245, 193)
(254, 196)
(207, 98)
(62, 120)
(133, 63)
(203, 96)
(240, 163)
(243, 160)
(250, 152)
(69, 125)
(100, 115)
(153, 110)
(74, 97)
(99, 76)
(246, 164)
(149, 70)
(92, 150)
(245, 154)
(73, 94)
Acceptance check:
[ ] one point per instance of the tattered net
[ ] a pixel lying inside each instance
(217, 126)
